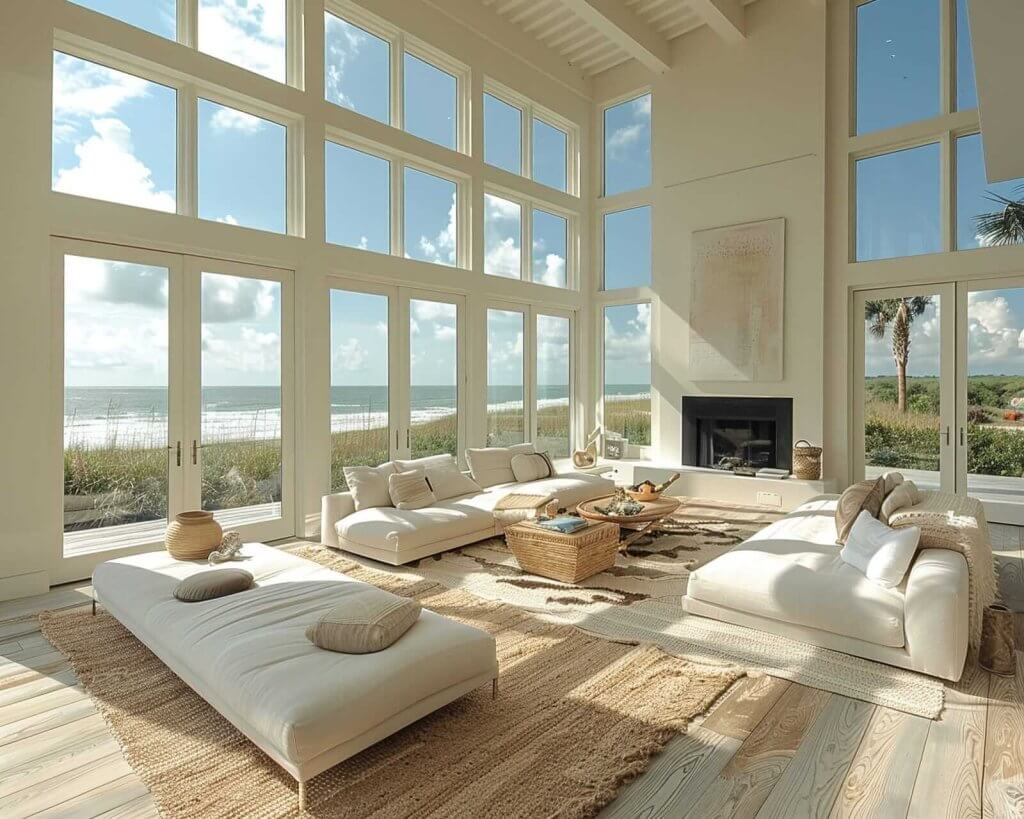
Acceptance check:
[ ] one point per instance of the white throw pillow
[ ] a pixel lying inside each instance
(529, 467)
(369, 485)
(410, 490)
(450, 483)
(493, 465)
(882, 554)
(430, 462)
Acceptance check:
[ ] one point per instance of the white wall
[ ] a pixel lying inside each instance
(738, 136)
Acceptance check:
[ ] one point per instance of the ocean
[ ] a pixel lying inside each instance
(137, 416)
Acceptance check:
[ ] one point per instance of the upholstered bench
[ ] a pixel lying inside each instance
(247, 655)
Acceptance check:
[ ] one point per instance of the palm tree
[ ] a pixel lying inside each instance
(1004, 227)
(898, 314)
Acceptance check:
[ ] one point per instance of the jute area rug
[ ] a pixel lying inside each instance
(576, 718)
(640, 600)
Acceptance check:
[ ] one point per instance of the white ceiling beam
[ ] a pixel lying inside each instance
(725, 17)
(624, 28)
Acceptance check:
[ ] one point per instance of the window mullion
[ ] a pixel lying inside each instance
(188, 150)
(397, 208)
(526, 138)
(526, 239)
(398, 81)
(947, 56)
(188, 23)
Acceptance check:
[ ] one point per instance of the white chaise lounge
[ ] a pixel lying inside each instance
(247, 655)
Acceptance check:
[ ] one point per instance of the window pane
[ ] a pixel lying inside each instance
(358, 199)
(898, 204)
(627, 372)
(627, 248)
(550, 248)
(550, 155)
(981, 216)
(553, 393)
(897, 63)
(966, 91)
(506, 419)
(241, 395)
(503, 232)
(430, 218)
(357, 69)
(242, 169)
(431, 102)
(248, 33)
(359, 382)
(156, 16)
(627, 146)
(434, 378)
(114, 135)
(503, 132)
(115, 393)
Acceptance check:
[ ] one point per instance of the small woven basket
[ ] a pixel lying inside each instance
(806, 461)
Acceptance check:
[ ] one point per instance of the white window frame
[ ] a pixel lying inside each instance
(371, 149)
(642, 291)
(599, 135)
(574, 410)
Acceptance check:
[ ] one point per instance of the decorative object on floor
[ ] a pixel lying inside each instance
(736, 302)
(615, 447)
(647, 491)
(640, 599)
(997, 652)
(230, 546)
(568, 557)
(213, 584)
(193, 535)
(639, 522)
(806, 461)
(587, 457)
(366, 620)
(599, 707)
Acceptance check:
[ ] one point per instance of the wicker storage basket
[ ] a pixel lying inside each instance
(569, 558)
(806, 461)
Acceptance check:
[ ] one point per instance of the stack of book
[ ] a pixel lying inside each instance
(565, 524)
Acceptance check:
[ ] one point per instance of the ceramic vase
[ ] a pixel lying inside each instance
(193, 535)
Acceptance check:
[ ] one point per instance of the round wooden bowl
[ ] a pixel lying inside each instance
(643, 497)
(193, 535)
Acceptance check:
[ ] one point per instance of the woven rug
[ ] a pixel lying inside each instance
(639, 600)
(576, 718)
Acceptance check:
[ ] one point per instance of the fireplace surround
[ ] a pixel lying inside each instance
(754, 433)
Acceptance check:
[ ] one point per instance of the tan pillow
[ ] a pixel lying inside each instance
(450, 483)
(369, 619)
(531, 467)
(493, 465)
(209, 585)
(904, 495)
(864, 495)
(369, 485)
(410, 490)
(892, 480)
(431, 462)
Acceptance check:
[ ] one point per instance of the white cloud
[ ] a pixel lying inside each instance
(232, 298)
(441, 248)
(249, 33)
(343, 44)
(433, 310)
(108, 168)
(349, 356)
(231, 119)
(554, 271)
(227, 219)
(500, 209)
(444, 332)
(624, 136)
(503, 259)
(85, 89)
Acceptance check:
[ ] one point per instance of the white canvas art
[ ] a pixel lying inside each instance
(736, 302)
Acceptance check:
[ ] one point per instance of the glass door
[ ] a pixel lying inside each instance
(904, 384)
(553, 380)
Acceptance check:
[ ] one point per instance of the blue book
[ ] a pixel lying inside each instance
(566, 524)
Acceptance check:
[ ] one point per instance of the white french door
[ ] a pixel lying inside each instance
(175, 393)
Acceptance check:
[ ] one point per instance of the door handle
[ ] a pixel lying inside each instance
(963, 437)
(396, 439)
(177, 453)
(195, 450)
(407, 437)
(947, 436)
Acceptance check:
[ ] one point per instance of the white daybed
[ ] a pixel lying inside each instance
(247, 655)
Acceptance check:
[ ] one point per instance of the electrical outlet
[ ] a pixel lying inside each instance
(770, 499)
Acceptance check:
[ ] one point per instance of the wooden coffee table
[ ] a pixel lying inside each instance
(654, 513)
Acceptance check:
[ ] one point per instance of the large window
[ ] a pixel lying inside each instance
(627, 248)
(503, 231)
(503, 134)
(155, 16)
(553, 391)
(114, 135)
(550, 154)
(506, 407)
(358, 199)
(984, 212)
(550, 242)
(357, 68)
(359, 382)
(434, 378)
(431, 102)
(627, 146)
(242, 168)
(627, 372)
(247, 33)
(431, 218)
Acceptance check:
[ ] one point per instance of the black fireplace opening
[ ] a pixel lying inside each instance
(737, 433)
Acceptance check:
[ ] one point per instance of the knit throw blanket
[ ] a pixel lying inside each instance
(949, 521)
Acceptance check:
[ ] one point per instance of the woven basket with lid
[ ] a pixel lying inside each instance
(806, 461)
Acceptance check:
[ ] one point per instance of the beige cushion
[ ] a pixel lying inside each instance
(367, 620)
(410, 490)
(881, 553)
(431, 462)
(864, 495)
(493, 465)
(527, 467)
(892, 480)
(904, 495)
(369, 485)
(450, 483)
(213, 584)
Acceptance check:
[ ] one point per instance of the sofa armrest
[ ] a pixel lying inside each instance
(935, 612)
(332, 509)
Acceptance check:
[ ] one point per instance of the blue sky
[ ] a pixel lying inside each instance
(505, 362)
(358, 69)
(503, 237)
(627, 344)
(358, 199)
(552, 350)
(156, 16)
(627, 248)
(627, 145)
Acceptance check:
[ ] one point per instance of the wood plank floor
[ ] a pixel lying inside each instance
(770, 748)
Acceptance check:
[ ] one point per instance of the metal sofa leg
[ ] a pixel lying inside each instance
(94, 607)
(494, 688)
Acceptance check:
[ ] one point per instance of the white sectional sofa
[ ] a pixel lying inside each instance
(788, 579)
(398, 536)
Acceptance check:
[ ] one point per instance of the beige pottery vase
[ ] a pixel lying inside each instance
(193, 535)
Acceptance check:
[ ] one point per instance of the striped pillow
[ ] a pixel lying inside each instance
(410, 490)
